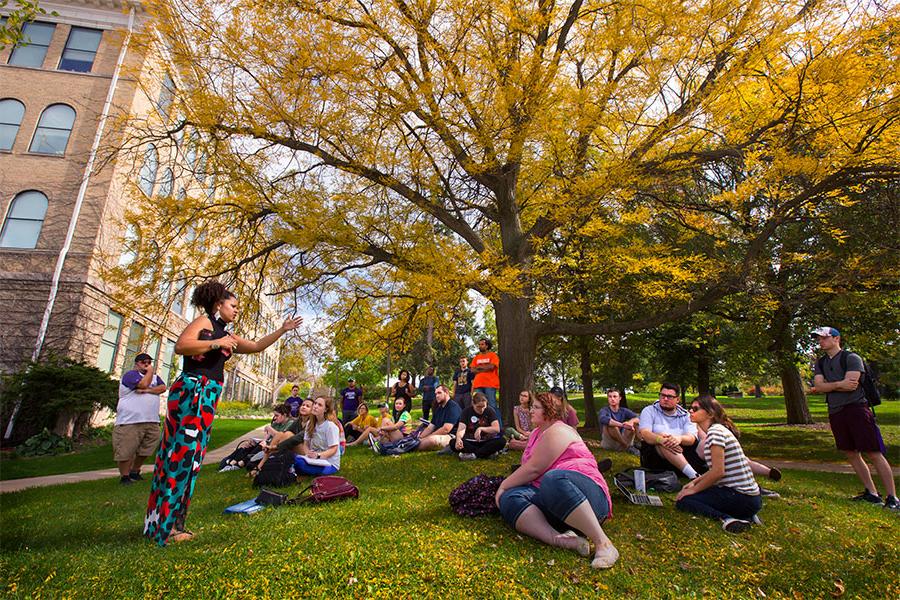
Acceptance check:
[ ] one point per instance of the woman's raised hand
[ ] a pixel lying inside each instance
(292, 323)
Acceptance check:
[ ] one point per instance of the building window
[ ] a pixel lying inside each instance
(80, 50)
(24, 220)
(166, 182)
(109, 343)
(130, 244)
(166, 95)
(11, 113)
(153, 346)
(30, 52)
(147, 176)
(166, 362)
(178, 297)
(133, 348)
(53, 130)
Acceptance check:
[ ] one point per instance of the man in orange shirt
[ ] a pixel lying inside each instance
(486, 366)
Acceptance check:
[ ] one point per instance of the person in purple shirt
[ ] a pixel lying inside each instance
(618, 424)
(294, 401)
(351, 396)
(136, 432)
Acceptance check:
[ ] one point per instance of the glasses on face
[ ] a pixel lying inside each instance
(695, 408)
(670, 396)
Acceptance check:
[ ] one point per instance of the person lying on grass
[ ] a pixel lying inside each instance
(384, 420)
(519, 433)
(323, 441)
(727, 491)
(478, 432)
(558, 487)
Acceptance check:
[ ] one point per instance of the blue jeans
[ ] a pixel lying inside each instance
(560, 493)
(720, 502)
(491, 394)
(303, 467)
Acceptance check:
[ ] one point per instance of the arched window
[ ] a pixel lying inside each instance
(130, 243)
(166, 95)
(54, 127)
(23, 223)
(147, 176)
(11, 113)
(166, 182)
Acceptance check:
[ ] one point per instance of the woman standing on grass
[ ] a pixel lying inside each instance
(402, 389)
(205, 345)
(323, 441)
(727, 491)
(558, 485)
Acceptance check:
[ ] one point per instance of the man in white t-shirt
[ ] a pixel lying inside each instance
(668, 437)
(136, 433)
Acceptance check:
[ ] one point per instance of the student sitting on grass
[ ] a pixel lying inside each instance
(570, 415)
(727, 491)
(323, 442)
(286, 441)
(396, 430)
(383, 420)
(359, 426)
(618, 425)
(558, 485)
(247, 449)
(478, 432)
(519, 433)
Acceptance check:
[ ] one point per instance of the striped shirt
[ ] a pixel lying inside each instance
(738, 475)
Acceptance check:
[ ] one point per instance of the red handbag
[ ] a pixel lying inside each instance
(327, 488)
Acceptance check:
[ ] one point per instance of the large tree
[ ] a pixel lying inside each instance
(418, 150)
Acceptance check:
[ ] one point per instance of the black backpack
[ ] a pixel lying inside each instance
(867, 381)
(278, 471)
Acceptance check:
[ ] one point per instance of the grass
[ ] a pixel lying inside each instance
(100, 456)
(400, 540)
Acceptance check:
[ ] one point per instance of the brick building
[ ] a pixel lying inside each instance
(75, 68)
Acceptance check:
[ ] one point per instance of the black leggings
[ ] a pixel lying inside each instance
(482, 449)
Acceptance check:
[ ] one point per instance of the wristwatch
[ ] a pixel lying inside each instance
(215, 346)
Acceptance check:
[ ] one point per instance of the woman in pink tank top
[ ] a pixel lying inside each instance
(558, 487)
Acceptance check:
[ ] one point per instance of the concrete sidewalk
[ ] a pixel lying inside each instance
(213, 456)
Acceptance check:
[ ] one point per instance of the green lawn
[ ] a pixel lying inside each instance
(101, 456)
(400, 540)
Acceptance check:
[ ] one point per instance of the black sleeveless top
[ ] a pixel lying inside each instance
(212, 363)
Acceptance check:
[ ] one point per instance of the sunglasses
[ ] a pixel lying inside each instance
(695, 408)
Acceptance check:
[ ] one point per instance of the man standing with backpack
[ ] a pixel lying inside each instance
(839, 375)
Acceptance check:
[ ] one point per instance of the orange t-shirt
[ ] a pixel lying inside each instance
(488, 379)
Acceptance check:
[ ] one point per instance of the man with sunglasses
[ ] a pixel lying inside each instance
(136, 433)
(669, 438)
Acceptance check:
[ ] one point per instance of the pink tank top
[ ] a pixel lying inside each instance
(576, 457)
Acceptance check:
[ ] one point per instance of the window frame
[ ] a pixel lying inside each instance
(8, 216)
(38, 127)
(23, 44)
(114, 345)
(18, 125)
(62, 56)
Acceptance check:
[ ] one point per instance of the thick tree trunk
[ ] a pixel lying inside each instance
(587, 382)
(757, 391)
(623, 395)
(794, 396)
(517, 341)
(702, 371)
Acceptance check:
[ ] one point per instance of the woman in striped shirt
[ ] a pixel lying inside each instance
(727, 491)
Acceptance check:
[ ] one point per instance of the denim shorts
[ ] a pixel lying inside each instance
(560, 493)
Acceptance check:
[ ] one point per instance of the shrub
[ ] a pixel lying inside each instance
(44, 443)
(51, 387)
(237, 409)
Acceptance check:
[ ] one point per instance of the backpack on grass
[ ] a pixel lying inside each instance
(475, 497)
(278, 471)
(401, 446)
(325, 489)
(867, 381)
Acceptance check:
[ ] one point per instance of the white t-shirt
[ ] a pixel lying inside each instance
(325, 435)
(655, 419)
(135, 406)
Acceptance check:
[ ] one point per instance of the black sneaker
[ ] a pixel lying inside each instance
(446, 450)
(892, 503)
(775, 474)
(867, 496)
(767, 493)
(126, 480)
(135, 476)
(735, 525)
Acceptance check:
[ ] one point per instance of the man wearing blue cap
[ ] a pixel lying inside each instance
(852, 421)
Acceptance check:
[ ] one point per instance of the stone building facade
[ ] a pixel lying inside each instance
(55, 88)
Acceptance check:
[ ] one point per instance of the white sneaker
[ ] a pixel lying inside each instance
(735, 525)
(467, 456)
(756, 520)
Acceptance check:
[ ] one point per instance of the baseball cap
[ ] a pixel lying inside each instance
(143, 356)
(351, 380)
(558, 392)
(825, 332)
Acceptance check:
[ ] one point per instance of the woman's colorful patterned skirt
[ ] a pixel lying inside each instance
(191, 408)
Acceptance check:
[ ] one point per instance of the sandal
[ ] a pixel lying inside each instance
(176, 537)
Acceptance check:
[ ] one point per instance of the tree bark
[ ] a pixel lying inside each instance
(587, 382)
(794, 396)
(517, 335)
(757, 391)
(702, 371)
